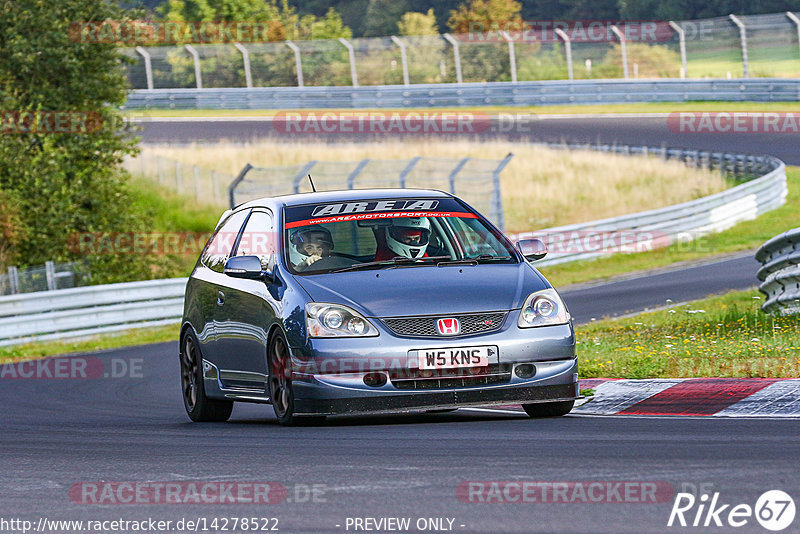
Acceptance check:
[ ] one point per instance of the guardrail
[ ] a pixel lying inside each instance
(471, 94)
(681, 222)
(85, 311)
(780, 273)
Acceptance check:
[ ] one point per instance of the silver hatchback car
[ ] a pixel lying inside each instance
(371, 301)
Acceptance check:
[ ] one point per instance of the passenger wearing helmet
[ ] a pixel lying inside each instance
(315, 242)
(407, 237)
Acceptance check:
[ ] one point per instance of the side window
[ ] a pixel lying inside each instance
(219, 248)
(258, 238)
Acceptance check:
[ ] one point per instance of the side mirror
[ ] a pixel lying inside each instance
(247, 267)
(532, 249)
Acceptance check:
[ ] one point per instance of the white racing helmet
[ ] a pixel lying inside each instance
(409, 236)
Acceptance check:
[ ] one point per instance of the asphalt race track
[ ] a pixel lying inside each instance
(130, 426)
(58, 433)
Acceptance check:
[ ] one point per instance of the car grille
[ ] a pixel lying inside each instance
(415, 379)
(475, 323)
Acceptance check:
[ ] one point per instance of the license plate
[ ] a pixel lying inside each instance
(453, 357)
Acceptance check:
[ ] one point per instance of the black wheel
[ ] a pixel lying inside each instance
(199, 407)
(281, 393)
(548, 409)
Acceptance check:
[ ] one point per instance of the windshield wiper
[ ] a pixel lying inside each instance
(474, 261)
(398, 260)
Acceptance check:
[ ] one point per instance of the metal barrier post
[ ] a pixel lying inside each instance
(198, 77)
(497, 198)
(403, 58)
(352, 54)
(456, 56)
(743, 39)
(50, 275)
(405, 172)
(567, 49)
(351, 178)
(621, 38)
(13, 280)
(796, 21)
(682, 43)
(302, 174)
(246, 60)
(512, 57)
(236, 181)
(148, 66)
(452, 177)
(298, 62)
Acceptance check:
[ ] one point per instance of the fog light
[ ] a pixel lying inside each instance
(525, 370)
(375, 380)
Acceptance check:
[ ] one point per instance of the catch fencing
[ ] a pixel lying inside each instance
(477, 181)
(732, 47)
(780, 273)
(206, 186)
(45, 277)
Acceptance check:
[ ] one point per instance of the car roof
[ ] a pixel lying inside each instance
(343, 195)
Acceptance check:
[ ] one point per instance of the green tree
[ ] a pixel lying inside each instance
(413, 23)
(382, 17)
(64, 184)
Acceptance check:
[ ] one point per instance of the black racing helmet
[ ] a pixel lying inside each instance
(317, 235)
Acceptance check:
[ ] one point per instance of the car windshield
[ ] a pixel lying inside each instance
(384, 234)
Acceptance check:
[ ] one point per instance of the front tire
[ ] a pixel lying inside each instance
(199, 407)
(281, 393)
(548, 409)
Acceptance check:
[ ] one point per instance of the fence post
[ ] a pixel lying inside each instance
(248, 78)
(352, 54)
(452, 177)
(796, 21)
(236, 181)
(497, 198)
(456, 56)
(13, 280)
(622, 44)
(178, 179)
(196, 182)
(50, 275)
(567, 49)
(682, 44)
(405, 172)
(302, 174)
(403, 58)
(743, 39)
(351, 178)
(196, 57)
(298, 62)
(512, 56)
(148, 66)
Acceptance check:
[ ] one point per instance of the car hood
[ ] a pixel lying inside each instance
(427, 290)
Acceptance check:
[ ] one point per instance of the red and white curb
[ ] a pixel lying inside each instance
(718, 397)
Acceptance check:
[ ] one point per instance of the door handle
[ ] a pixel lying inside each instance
(220, 298)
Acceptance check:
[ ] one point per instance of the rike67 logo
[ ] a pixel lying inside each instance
(774, 510)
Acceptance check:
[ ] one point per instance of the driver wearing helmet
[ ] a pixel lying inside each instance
(314, 242)
(407, 237)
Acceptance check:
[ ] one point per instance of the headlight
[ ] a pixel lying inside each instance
(543, 308)
(335, 320)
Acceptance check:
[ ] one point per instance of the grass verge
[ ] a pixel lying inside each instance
(723, 336)
(747, 235)
(632, 108)
(126, 338)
